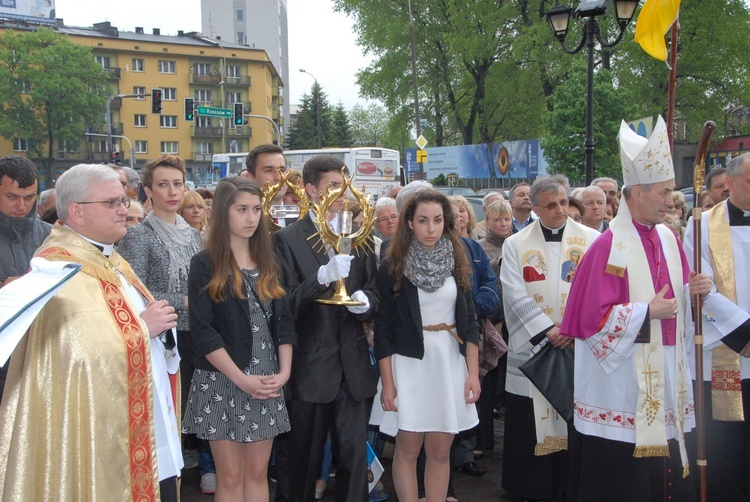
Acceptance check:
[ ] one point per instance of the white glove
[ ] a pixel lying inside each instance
(359, 296)
(337, 268)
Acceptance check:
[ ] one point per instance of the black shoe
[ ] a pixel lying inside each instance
(472, 469)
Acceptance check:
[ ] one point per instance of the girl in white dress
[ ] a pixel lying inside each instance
(426, 337)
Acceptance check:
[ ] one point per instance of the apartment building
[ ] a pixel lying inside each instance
(215, 73)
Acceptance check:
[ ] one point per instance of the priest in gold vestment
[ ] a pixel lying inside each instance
(77, 419)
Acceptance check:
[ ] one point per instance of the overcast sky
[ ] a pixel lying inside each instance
(320, 41)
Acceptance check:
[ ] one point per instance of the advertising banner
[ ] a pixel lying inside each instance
(510, 159)
(30, 11)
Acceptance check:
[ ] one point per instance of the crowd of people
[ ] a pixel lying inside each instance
(193, 336)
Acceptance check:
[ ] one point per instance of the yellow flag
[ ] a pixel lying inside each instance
(656, 17)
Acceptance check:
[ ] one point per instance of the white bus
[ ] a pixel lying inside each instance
(375, 169)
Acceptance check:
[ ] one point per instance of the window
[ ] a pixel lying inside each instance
(203, 122)
(166, 66)
(234, 147)
(168, 120)
(141, 146)
(103, 61)
(169, 94)
(141, 91)
(202, 68)
(203, 147)
(20, 145)
(138, 64)
(234, 97)
(233, 71)
(241, 37)
(203, 96)
(100, 146)
(140, 121)
(169, 147)
(239, 15)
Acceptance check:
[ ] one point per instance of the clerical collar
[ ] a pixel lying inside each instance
(737, 217)
(106, 249)
(552, 234)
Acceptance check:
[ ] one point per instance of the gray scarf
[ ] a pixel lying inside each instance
(426, 268)
(178, 241)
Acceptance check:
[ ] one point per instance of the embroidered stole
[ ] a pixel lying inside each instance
(649, 358)
(551, 429)
(726, 390)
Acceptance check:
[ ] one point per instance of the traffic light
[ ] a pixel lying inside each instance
(189, 109)
(238, 117)
(156, 100)
(116, 158)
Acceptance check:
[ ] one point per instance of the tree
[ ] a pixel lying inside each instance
(369, 125)
(712, 66)
(304, 132)
(50, 89)
(473, 85)
(564, 141)
(339, 133)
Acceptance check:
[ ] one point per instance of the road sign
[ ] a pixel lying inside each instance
(421, 142)
(421, 156)
(210, 111)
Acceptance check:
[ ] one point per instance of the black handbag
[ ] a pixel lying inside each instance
(551, 371)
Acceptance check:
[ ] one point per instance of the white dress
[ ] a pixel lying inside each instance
(430, 391)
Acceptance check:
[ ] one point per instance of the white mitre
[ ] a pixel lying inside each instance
(645, 161)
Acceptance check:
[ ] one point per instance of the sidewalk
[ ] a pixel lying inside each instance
(468, 489)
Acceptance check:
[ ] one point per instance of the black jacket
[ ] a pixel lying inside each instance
(227, 324)
(331, 346)
(398, 327)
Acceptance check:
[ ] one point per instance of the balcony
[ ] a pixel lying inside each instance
(101, 156)
(212, 78)
(116, 130)
(202, 157)
(215, 104)
(206, 131)
(113, 73)
(241, 81)
(245, 132)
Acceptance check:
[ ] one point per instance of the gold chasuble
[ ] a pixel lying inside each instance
(76, 419)
(726, 389)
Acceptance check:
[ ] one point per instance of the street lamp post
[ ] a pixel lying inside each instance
(558, 18)
(274, 124)
(416, 86)
(317, 107)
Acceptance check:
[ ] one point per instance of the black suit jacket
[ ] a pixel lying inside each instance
(398, 328)
(331, 344)
(216, 325)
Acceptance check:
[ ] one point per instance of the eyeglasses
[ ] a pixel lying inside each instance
(554, 205)
(112, 203)
(383, 219)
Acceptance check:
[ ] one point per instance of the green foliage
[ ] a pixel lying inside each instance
(490, 70)
(369, 125)
(564, 143)
(472, 86)
(335, 130)
(712, 66)
(340, 133)
(50, 89)
(440, 181)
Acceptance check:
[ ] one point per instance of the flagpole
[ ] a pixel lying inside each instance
(672, 81)
(700, 405)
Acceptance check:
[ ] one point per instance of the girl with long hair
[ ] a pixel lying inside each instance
(426, 337)
(243, 336)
